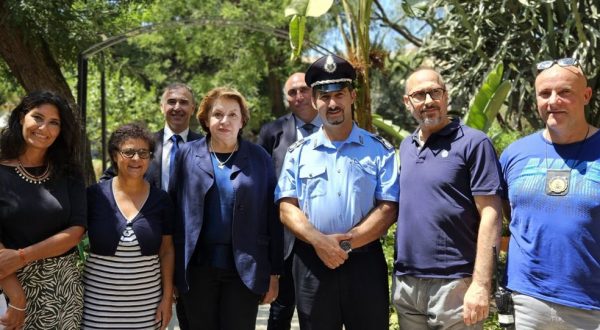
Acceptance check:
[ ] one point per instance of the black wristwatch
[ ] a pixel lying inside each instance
(346, 246)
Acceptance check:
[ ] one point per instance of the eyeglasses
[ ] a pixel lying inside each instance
(421, 96)
(142, 153)
(563, 62)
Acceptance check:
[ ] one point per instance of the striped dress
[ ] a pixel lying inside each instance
(122, 291)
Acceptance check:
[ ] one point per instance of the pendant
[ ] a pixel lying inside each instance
(221, 166)
(557, 182)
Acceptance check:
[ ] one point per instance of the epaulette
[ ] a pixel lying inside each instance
(297, 144)
(383, 141)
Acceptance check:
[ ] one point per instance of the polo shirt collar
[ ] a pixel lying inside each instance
(322, 140)
(452, 127)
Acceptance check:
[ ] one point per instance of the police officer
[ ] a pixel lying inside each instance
(338, 194)
(276, 137)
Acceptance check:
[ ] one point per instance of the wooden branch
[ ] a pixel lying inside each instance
(402, 30)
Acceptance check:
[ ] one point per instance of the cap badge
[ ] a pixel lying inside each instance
(329, 64)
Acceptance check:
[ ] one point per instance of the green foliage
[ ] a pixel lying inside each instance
(10, 91)
(468, 36)
(69, 26)
(83, 248)
(389, 128)
(503, 137)
(487, 102)
(297, 26)
(126, 101)
(218, 43)
(299, 10)
(313, 8)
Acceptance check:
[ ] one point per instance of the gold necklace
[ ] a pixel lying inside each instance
(221, 164)
(35, 179)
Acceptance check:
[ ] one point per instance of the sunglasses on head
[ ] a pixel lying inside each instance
(563, 62)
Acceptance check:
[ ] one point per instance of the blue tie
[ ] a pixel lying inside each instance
(175, 139)
(308, 127)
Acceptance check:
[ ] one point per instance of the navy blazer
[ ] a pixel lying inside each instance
(256, 230)
(154, 172)
(106, 222)
(276, 137)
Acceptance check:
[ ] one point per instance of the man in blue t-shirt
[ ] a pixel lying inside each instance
(553, 180)
(449, 215)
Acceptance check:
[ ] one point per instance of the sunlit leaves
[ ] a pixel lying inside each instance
(297, 26)
(311, 8)
(299, 10)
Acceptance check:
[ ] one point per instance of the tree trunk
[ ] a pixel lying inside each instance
(33, 65)
(30, 60)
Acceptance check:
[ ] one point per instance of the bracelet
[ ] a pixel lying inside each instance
(16, 308)
(22, 256)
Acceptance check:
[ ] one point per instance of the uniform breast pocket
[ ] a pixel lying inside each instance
(314, 180)
(364, 176)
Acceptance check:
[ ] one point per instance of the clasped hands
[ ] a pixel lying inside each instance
(329, 251)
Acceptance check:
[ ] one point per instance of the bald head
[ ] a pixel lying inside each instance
(423, 74)
(298, 97)
(428, 100)
(561, 95)
(574, 73)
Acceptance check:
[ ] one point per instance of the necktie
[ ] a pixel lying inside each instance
(175, 139)
(308, 128)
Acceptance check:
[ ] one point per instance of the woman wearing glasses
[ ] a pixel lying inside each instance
(129, 273)
(42, 215)
(228, 239)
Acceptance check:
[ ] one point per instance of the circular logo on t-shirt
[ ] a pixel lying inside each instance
(444, 153)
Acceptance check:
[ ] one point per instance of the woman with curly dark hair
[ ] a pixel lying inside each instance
(42, 215)
(129, 274)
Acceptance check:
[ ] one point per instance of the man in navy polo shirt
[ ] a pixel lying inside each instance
(449, 215)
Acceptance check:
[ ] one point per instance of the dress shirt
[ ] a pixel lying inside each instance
(301, 132)
(167, 144)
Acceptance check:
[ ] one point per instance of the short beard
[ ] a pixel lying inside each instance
(430, 121)
(338, 121)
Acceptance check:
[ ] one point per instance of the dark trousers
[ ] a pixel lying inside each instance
(354, 295)
(219, 300)
(282, 309)
(180, 311)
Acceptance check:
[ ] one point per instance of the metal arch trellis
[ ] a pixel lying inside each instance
(84, 56)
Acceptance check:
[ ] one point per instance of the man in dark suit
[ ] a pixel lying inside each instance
(177, 105)
(276, 137)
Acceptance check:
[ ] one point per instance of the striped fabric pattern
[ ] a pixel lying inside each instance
(54, 293)
(124, 290)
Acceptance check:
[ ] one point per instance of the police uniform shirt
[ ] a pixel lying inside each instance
(337, 186)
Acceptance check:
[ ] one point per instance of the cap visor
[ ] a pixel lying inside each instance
(328, 88)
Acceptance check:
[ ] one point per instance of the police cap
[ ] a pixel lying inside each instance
(330, 74)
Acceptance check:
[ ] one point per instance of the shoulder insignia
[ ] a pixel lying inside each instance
(383, 141)
(296, 144)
